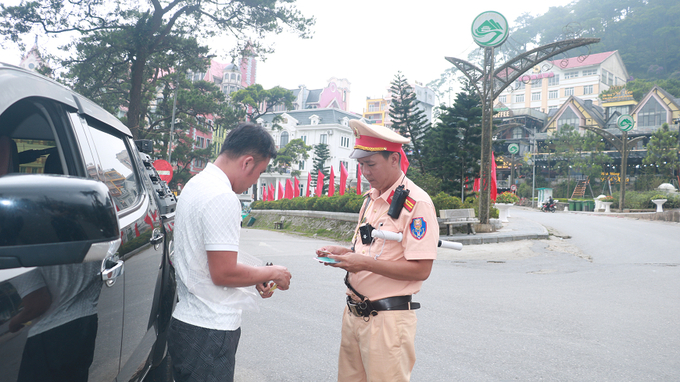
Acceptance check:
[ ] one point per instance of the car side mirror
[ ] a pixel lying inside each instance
(51, 220)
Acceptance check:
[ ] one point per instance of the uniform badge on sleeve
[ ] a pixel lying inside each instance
(418, 228)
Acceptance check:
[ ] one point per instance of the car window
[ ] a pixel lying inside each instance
(117, 169)
(27, 141)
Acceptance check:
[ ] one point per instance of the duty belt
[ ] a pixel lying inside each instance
(369, 308)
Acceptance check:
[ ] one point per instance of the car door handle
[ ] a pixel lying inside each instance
(157, 237)
(115, 269)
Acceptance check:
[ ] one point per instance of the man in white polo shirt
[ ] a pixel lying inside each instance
(205, 329)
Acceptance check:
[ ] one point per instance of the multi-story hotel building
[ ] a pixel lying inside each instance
(548, 85)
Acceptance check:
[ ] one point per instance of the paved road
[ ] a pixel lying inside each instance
(590, 308)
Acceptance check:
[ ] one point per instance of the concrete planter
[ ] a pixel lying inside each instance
(503, 211)
(606, 206)
(659, 204)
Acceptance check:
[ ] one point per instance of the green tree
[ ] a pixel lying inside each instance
(321, 155)
(644, 32)
(452, 146)
(125, 41)
(568, 151)
(594, 159)
(662, 151)
(256, 101)
(294, 152)
(407, 118)
(640, 87)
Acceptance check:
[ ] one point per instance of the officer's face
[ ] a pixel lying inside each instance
(379, 171)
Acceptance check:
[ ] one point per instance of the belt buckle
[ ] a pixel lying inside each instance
(355, 308)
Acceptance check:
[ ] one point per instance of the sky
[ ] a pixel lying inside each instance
(368, 42)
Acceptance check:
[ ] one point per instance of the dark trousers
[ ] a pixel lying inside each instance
(201, 354)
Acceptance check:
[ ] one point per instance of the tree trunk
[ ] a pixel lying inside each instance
(135, 107)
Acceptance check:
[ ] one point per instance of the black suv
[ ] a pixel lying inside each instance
(86, 284)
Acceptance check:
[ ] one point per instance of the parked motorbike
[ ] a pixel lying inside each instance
(549, 207)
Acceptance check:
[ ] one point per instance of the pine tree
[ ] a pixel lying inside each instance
(321, 155)
(407, 118)
(662, 151)
(453, 145)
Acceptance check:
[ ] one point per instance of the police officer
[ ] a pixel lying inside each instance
(379, 322)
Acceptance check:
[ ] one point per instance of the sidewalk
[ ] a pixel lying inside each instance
(515, 229)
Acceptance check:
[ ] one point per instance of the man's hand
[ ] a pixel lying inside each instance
(281, 276)
(266, 291)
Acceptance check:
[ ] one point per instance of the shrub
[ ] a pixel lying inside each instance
(444, 201)
(507, 197)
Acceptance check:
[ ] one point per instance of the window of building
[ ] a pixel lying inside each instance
(610, 79)
(621, 109)
(301, 165)
(552, 108)
(553, 94)
(568, 92)
(519, 84)
(519, 98)
(536, 96)
(588, 89)
(323, 138)
(554, 80)
(652, 114)
(344, 141)
(572, 74)
(304, 138)
(284, 139)
(590, 72)
(536, 82)
(603, 78)
(502, 99)
(517, 133)
(568, 118)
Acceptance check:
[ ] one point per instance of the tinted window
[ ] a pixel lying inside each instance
(117, 169)
(28, 142)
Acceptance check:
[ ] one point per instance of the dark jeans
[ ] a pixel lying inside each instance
(201, 354)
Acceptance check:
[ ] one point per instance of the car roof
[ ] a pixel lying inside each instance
(18, 83)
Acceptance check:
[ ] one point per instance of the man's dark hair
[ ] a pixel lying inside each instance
(249, 139)
(386, 154)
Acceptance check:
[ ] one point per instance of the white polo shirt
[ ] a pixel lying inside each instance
(208, 219)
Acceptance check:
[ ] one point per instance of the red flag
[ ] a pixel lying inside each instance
(331, 183)
(404, 161)
(358, 179)
(289, 189)
(494, 191)
(343, 179)
(319, 183)
(280, 195)
(264, 194)
(272, 192)
(309, 183)
(296, 190)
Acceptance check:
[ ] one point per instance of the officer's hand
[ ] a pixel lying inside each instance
(350, 261)
(281, 276)
(333, 249)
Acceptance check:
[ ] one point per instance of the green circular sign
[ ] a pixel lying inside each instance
(625, 122)
(513, 148)
(490, 29)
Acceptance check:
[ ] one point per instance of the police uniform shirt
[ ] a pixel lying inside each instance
(419, 227)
